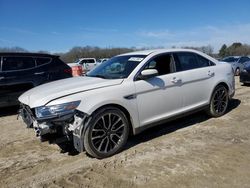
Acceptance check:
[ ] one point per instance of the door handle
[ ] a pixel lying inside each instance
(176, 80)
(39, 73)
(211, 74)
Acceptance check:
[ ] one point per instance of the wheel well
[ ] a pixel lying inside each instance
(124, 110)
(223, 84)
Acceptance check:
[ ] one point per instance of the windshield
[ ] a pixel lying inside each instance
(117, 67)
(231, 59)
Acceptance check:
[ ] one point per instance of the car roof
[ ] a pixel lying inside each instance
(26, 54)
(147, 52)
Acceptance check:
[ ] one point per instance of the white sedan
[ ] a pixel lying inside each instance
(126, 95)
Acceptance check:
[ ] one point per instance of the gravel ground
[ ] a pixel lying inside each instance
(195, 151)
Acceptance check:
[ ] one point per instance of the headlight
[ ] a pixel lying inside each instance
(56, 110)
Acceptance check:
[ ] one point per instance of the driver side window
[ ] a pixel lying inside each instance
(164, 64)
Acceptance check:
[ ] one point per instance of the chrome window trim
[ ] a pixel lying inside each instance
(211, 63)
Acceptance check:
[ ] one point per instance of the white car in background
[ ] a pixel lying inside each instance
(126, 95)
(86, 63)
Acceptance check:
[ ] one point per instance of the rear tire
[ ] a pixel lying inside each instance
(107, 133)
(218, 102)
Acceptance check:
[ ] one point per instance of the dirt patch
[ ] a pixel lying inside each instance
(194, 151)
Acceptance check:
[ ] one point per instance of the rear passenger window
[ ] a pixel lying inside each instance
(202, 61)
(42, 60)
(17, 63)
(185, 61)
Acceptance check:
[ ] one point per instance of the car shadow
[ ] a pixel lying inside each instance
(172, 126)
(8, 111)
(234, 103)
(166, 128)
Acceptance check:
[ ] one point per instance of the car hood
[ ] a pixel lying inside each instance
(41, 95)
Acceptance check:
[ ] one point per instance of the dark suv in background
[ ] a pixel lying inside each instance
(20, 72)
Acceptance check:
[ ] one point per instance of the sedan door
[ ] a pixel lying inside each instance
(197, 79)
(158, 97)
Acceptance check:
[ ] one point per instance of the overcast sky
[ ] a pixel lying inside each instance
(58, 25)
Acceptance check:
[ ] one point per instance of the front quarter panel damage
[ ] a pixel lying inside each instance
(78, 128)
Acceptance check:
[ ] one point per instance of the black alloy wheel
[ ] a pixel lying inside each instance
(107, 133)
(219, 101)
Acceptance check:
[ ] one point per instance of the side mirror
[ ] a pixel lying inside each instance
(148, 73)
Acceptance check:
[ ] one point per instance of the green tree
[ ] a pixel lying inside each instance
(223, 51)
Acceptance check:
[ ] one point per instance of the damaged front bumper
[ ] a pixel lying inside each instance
(61, 129)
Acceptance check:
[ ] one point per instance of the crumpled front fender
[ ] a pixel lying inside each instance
(78, 129)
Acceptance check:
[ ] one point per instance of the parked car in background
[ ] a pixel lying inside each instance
(86, 63)
(127, 94)
(76, 70)
(20, 72)
(237, 63)
(245, 73)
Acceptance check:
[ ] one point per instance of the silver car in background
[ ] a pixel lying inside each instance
(237, 63)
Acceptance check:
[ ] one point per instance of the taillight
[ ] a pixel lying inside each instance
(68, 71)
(77, 70)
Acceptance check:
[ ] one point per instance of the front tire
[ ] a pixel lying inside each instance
(107, 133)
(218, 102)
